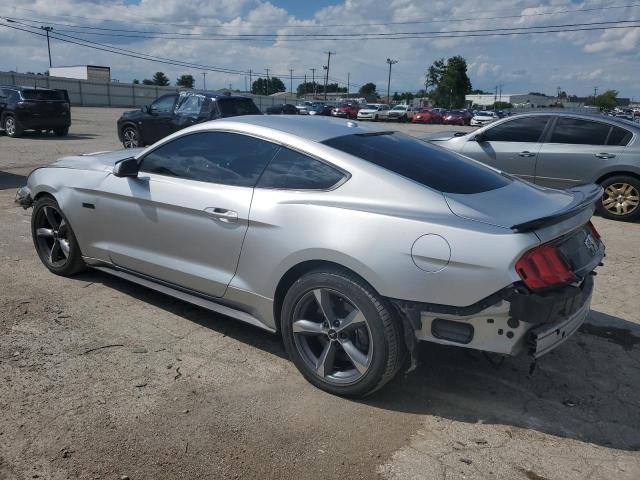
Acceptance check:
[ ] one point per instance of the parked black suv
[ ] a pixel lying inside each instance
(30, 108)
(172, 112)
(282, 109)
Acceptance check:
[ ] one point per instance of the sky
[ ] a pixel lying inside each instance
(575, 61)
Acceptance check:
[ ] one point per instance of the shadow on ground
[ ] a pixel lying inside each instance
(11, 180)
(587, 389)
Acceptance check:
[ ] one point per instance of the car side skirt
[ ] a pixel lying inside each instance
(196, 298)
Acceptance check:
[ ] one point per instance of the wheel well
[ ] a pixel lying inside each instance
(41, 195)
(297, 271)
(616, 174)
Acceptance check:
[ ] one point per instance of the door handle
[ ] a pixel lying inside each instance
(222, 214)
(604, 155)
(527, 154)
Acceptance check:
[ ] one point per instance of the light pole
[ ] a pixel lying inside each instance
(313, 80)
(326, 78)
(48, 29)
(390, 62)
(204, 80)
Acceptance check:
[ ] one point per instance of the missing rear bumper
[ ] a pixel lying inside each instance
(23, 197)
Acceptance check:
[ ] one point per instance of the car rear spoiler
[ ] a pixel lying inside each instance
(585, 197)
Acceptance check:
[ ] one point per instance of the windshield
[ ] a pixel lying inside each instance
(371, 107)
(400, 107)
(34, 94)
(427, 164)
(231, 107)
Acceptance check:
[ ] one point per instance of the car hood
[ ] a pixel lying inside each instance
(521, 203)
(101, 161)
(367, 110)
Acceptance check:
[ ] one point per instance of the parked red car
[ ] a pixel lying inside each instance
(456, 117)
(427, 115)
(346, 110)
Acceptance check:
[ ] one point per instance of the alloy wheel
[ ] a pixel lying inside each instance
(621, 199)
(332, 336)
(52, 236)
(10, 126)
(130, 138)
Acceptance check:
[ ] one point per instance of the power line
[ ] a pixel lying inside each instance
(407, 22)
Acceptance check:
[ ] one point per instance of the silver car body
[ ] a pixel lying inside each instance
(415, 245)
(556, 165)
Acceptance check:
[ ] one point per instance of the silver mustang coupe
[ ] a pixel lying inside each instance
(351, 242)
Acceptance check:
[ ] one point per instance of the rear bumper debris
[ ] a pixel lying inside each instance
(23, 197)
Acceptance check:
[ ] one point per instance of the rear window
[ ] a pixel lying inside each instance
(231, 107)
(619, 136)
(424, 163)
(42, 95)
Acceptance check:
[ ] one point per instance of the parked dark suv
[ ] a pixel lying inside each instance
(30, 108)
(175, 111)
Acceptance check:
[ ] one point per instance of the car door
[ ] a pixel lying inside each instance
(511, 146)
(156, 123)
(182, 220)
(577, 149)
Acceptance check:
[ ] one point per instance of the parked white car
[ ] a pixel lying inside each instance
(368, 111)
(484, 118)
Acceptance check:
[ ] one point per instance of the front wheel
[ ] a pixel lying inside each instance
(12, 127)
(340, 333)
(621, 198)
(54, 239)
(130, 137)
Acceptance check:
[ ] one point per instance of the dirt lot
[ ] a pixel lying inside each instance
(104, 379)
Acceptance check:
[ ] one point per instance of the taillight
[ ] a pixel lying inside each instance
(593, 230)
(544, 267)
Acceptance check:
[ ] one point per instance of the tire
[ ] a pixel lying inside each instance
(621, 198)
(130, 137)
(375, 119)
(361, 356)
(54, 239)
(61, 132)
(12, 127)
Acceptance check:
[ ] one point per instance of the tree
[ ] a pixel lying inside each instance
(538, 93)
(448, 83)
(501, 105)
(136, 81)
(309, 87)
(185, 81)
(146, 81)
(368, 89)
(267, 86)
(160, 79)
(477, 91)
(607, 100)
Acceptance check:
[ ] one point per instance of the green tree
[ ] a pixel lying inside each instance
(309, 87)
(160, 79)
(185, 81)
(267, 86)
(136, 81)
(607, 100)
(502, 105)
(538, 93)
(477, 91)
(447, 83)
(368, 89)
(146, 81)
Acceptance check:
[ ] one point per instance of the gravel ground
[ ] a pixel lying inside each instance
(101, 378)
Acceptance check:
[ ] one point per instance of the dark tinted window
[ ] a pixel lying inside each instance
(526, 129)
(163, 104)
(579, 131)
(619, 136)
(296, 171)
(35, 94)
(427, 164)
(231, 107)
(215, 157)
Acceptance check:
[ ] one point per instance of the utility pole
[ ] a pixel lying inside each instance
(48, 29)
(250, 81)
(326, 67)
(204, 80)
(348, 79)
(390, 62)
(305, 84)
(291, 80)
(313, 80)
(266, 85)
(500, 97)
(495, 94)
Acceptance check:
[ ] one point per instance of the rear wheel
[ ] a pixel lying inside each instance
(12, 127)
(54, 239)
(61, 132)
(130, 137)
(340, 334)
(621, 198)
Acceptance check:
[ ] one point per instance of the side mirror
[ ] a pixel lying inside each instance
(145, 108)
(126, 168)
(479, 138)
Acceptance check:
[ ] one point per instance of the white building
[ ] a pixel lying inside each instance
(82, 72)
(515, 99)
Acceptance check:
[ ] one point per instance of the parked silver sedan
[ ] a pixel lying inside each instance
(562, 150)
(353, 243)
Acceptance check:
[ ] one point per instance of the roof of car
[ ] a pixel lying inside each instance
(310, 127)
(208, 93)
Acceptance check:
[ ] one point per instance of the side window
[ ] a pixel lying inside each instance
(163, 104)
(214, 157)
(526, 129)
(295, 171)
(191, 106)
(619, 136)
(577, 131)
